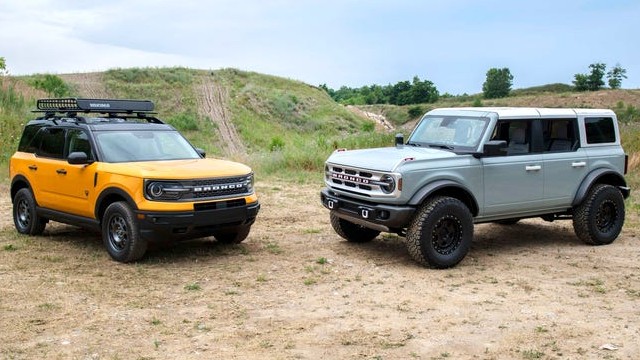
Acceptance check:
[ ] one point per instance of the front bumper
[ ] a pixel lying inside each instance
(168, 226)
(389, 218)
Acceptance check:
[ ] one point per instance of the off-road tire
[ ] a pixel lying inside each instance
(440, 233)
(25, 217)
(233, 236)
(120, 233)
(599, 218)
(352, 232)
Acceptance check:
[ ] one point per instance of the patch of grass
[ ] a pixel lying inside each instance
(193, 287)
(261, 278)
(321, 260)
(310, 281)
(9, 247)
(531, 354)
(274, 248)
(155, 321)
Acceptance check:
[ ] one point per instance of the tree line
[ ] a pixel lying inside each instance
(498, 84)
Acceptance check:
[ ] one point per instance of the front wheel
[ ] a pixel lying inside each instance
(599, 218)
(440, 234)
(120, 233)
(352, 232)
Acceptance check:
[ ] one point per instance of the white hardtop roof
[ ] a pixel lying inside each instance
(520, 112)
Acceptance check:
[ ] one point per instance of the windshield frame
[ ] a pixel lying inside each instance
(476, 127)
(115, 145)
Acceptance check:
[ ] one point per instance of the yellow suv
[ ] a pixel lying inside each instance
(110, 165)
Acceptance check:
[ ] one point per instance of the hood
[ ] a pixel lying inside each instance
(180, 169)
(385, 159)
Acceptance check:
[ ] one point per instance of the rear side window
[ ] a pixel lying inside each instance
(600, 130)
(27, 143)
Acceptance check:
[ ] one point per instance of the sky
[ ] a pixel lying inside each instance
(335, 42)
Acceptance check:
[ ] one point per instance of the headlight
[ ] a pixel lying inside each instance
(161, 190)
(387, 184)
(249, 183)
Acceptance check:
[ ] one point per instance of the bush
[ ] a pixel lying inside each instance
(415, 111)
(53, 85)
(184, 122)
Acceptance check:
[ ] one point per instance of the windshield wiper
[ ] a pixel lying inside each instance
(413, 144)
(441, 146)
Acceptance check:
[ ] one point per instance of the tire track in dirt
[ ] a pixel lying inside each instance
(381, 121)
(89, 85)
(212, 103)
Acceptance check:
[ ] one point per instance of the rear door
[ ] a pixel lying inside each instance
(513, 183)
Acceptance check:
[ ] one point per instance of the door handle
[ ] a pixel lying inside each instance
(533, 168)
(33, 167)
(62, 171)
(577, 164)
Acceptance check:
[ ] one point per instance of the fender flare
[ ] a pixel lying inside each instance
(14, 189)
(427, 190)
(109, 192)
(593, 178)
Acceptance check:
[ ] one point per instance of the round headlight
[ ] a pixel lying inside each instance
(156, 189)
(388, 184)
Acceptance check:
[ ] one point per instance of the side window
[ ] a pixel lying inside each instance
(27, 143)
(517, 134)
(52, 143)
(560, 135)
(600, 130)
(77, 140)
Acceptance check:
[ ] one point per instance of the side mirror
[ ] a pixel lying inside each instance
(202, 153)
(399, 140)
(78, 158)
(495, 148)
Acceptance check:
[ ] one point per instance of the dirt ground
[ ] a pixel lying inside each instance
(295, 290)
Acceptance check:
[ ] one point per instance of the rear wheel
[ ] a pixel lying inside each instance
(441, 232)
(352, 232)
(233, 236)
(120, 233)
(599, 218)
(25, 217)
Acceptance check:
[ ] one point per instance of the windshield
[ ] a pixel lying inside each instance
(128, 145)
(449, 132)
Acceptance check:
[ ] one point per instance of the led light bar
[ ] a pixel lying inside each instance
(95, 105)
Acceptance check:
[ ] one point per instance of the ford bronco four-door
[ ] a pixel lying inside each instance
(110, 165)
(462, 166)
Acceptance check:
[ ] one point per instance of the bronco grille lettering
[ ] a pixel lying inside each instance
(351, 178)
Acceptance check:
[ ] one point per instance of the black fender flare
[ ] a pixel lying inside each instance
(108, 192)
(14, 188)
(613, 178)
(429, 189)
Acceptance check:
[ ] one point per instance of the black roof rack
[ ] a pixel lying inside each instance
(127, 109)
(95, 105)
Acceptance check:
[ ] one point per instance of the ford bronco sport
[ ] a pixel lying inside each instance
(110, 165)
(462, 166)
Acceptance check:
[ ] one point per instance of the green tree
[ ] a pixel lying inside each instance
(498, 83)
(53, 85)
(596, 77)
(581, 82)
(615, 76)
(593, 81)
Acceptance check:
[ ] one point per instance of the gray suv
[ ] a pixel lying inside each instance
(462, 166)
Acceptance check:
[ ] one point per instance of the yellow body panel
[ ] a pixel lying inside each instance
(74, 189)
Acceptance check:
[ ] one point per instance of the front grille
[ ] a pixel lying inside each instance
(358, 181)
(219, 187)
